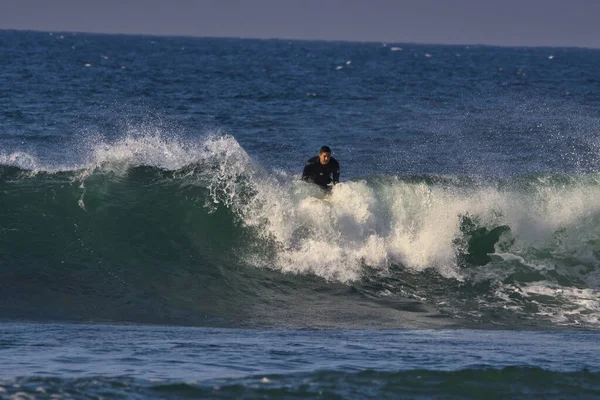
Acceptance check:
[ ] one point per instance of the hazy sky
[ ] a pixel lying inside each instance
(503, 22)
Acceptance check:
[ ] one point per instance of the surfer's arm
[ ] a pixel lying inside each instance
(336, 178)
(306, 174)
(336, 174)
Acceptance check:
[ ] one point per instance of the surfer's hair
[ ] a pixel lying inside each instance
(325, 149)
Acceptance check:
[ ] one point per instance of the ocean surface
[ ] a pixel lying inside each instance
(156, 240)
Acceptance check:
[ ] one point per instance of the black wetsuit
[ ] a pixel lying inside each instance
(322, 175)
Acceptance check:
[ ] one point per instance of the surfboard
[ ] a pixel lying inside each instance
(318, 201)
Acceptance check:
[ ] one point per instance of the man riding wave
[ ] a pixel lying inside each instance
(322, 169)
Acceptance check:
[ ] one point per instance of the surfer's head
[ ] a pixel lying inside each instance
(324, 155)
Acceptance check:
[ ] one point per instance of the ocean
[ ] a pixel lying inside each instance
(156, 240)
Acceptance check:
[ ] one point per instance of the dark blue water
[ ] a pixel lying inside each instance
(155, 180)
(90, 361)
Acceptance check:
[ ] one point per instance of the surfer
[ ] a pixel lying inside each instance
(322, 169)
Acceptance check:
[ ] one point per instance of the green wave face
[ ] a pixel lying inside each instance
(222, 241)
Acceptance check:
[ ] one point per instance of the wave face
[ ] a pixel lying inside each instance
(150, 229)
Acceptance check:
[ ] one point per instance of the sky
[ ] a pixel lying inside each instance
(492, 22)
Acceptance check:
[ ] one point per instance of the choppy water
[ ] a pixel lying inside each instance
(156, 180)
(169, 362)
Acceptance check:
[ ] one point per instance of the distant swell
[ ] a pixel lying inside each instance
(198, 233)
(509, 382)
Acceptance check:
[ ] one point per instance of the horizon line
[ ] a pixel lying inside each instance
(295, 39)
